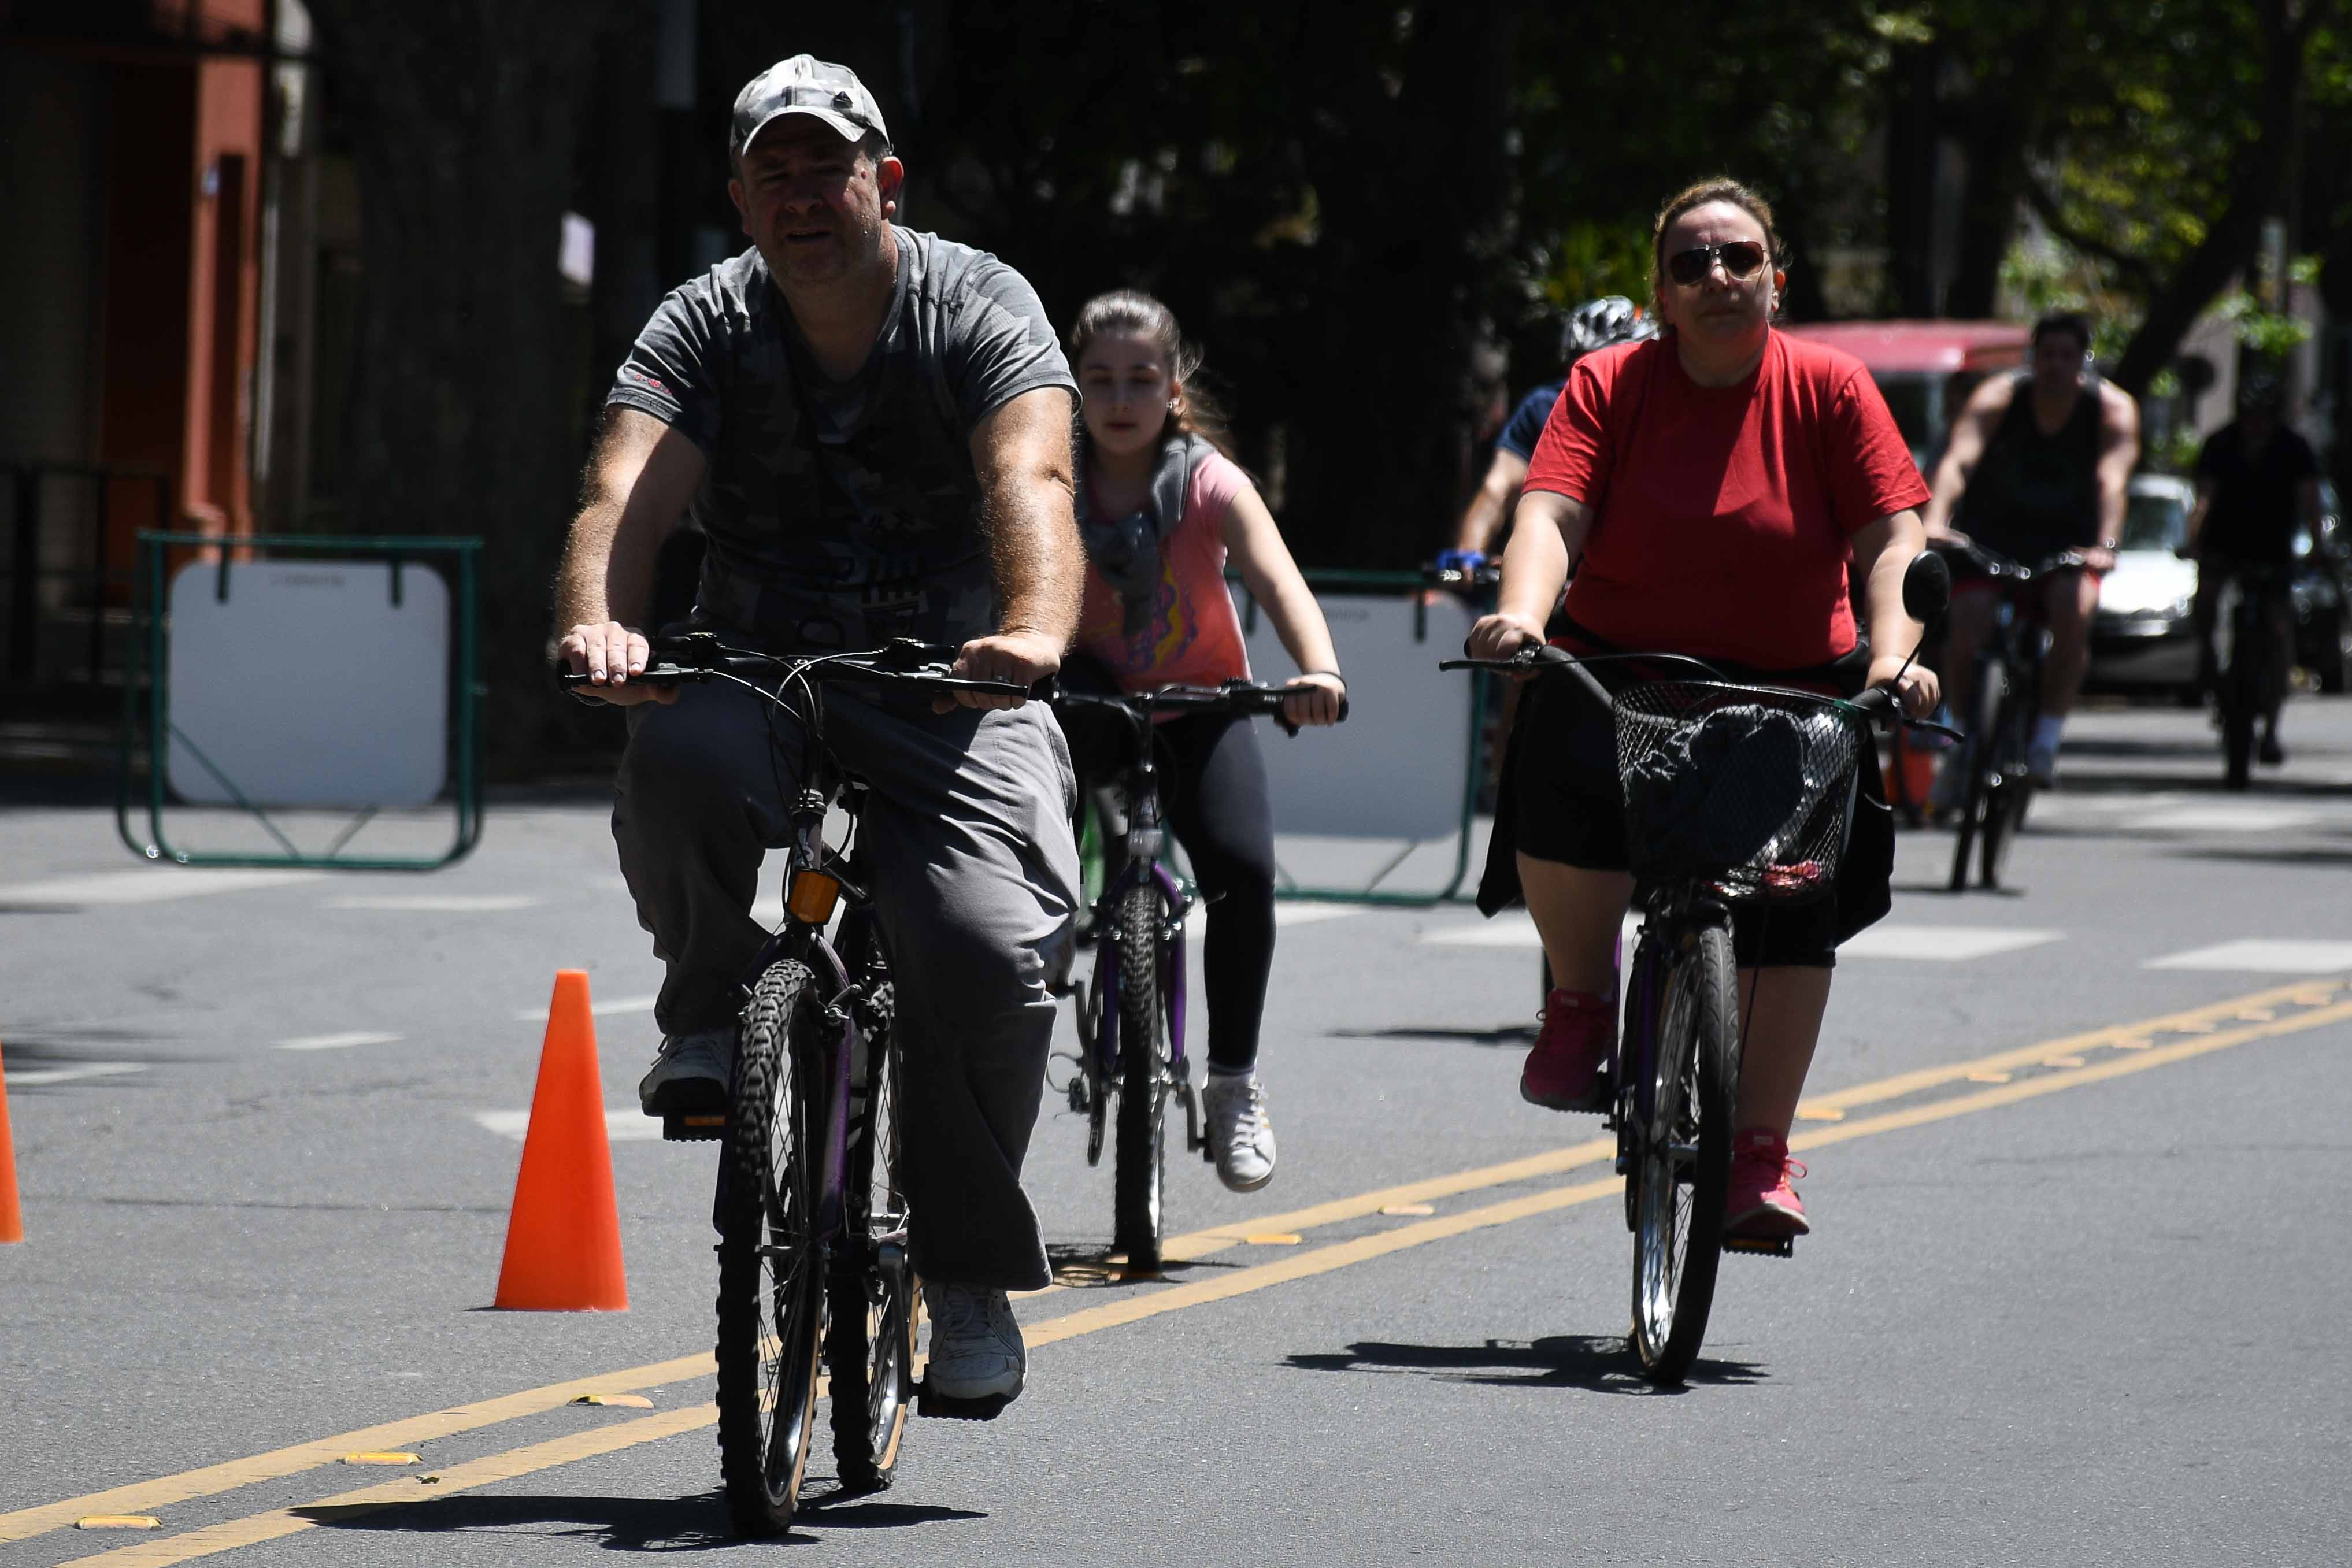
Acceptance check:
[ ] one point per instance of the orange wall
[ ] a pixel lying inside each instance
(223, 282)
(182, 275)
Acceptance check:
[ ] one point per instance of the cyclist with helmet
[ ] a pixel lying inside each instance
(1595, 324)
(2256, 478)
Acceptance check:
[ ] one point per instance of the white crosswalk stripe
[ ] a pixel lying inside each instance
(1889, 939)
(34, 1077)
(623, 1123)
(2256, 955)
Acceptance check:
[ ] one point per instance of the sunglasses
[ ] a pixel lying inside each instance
(1741, 258)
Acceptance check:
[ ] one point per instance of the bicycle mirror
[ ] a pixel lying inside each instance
(1926, 586)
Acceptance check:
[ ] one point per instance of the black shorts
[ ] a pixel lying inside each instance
(1567, 805)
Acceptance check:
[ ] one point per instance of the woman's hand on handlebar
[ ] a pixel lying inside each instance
(1502, 634)
(1915, 688)
(1020, 658)
(1318, 702)
(608, 655)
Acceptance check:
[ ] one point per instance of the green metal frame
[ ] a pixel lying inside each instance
(147, 667)
(1413, 583)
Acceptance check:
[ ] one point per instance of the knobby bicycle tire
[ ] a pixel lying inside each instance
(869, 1346)
(1678, 1236)
(768, 1342)
(1138, 1208)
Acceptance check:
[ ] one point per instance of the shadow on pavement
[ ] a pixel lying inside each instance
(1517, 1034)
(616, 1523)
(633, 1523)
(1596, 1363)
(1089, 1267)
(2283, 856)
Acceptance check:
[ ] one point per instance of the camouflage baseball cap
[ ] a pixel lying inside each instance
(805, 85)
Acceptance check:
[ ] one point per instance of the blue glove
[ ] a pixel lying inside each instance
(1461, 560)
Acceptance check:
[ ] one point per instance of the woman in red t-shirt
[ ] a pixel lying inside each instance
(1714, 482)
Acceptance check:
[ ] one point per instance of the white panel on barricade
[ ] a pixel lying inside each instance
(307, 684)
(1396, 768)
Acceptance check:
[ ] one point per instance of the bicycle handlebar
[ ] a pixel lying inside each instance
(1994, 564)
(1486, 576)
(1244, 697)
(1875, 703)
(920, 668)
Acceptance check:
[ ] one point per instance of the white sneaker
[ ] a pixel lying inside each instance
(977, 1351)
(2042, 764)
(1240, 1135)
(694, 1074)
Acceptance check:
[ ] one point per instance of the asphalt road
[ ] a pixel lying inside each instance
(2076, 1293)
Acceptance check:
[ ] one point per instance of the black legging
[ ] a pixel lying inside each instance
(1213, 793)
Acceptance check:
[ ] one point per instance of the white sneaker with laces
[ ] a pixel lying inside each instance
(694, 1074)
(977, 1351)
(1240, 1134)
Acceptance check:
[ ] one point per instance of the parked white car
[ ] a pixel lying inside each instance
(2144, 637)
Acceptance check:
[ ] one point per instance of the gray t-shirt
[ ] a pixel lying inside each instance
(841, 514)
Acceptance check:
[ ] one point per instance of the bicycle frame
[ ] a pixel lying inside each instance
(803, 939)
(1146, 836)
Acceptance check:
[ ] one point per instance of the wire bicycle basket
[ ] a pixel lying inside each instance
(1751, 788)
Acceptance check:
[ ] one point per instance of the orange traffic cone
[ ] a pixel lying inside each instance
(563, 1239)
(12, 1218)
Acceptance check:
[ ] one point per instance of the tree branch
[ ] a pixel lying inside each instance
(2138, 272)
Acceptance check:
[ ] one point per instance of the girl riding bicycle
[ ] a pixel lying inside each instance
(1716, 481)
(1162, 506)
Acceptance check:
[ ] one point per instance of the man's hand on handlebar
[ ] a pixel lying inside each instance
(1318, 702)
(1502, 634)
(608, 655)
(1019, 658)
(1915, 688)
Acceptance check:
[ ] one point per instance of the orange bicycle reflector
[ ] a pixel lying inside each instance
(812, 897)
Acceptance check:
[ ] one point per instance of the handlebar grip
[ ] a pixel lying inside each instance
(651, 676)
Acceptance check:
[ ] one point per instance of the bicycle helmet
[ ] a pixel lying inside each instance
(1598, 323)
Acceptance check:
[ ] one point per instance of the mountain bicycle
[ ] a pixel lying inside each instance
(1130, 1016)
(814, 1272)
(2007, 704)
(1735, 795)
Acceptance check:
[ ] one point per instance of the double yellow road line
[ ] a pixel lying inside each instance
(1934, 1094)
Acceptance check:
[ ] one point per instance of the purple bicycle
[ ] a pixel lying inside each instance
(1131, 1014)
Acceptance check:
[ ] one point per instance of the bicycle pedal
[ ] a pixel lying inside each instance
(693, 1127)
(940, 1407)
(1761, 1246)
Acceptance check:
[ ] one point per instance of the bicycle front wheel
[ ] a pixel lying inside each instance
(770, 1272)
(2008, 788)
(1683, 1163)
(869, 1343)
(1984, 742)
(1139, 1185)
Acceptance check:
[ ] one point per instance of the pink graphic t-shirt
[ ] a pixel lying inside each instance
(1192, 637)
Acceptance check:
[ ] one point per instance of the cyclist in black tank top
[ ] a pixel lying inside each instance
(2038, 462)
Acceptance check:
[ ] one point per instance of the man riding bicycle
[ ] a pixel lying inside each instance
(2256, 479)
(2043, 459)
(872, 426)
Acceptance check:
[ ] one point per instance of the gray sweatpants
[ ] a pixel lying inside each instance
(974, 876)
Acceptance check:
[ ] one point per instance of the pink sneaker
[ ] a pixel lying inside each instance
(1568, 1068)
(1760, 1203)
